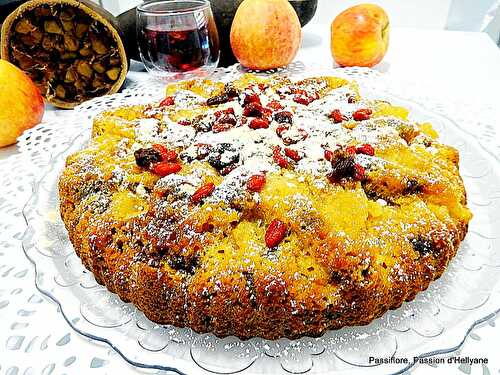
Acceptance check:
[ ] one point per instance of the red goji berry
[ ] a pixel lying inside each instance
(359, 172)
(279, 158)
(184, 122)
(202, 192)
(165, 168)
(362, 114)
(253, 110)
(302, 99)
(328, 155)
(336, 116)
(169, 100)
(256, 182)
(366, 149)
(171, 155)
(292, 154)
(281, 129)
(162, 149)
(275, 233)
(350, 150)
(251, 98)
(259, 123)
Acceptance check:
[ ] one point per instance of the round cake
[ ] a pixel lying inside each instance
(264, 207)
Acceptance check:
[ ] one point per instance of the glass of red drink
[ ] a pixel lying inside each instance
(177, 38)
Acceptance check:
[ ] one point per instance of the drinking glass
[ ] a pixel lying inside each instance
(177, 38)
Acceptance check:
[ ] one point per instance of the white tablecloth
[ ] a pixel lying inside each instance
(459, 66)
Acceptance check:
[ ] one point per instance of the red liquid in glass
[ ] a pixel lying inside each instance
(175, 50)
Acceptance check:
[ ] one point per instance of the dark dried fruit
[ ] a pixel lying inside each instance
(166, 168)
(202, 123)
(230, 90)
(144, 157)
(256, 182)
(183, 264)
(422, 245)
(275, 233)
(202, 192)
(259, 123)
(202, 150)
(362, 114)
(412, 187)
(283, 117)
(218, 99)
(343, 166)
(223, 155)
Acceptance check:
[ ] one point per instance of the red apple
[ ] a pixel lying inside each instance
(360, 36)
(265, 34)
(21, 104)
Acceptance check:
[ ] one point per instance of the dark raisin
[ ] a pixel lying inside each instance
(342, 167)
(223, 155)
(218, 99)
(200, 124)
(183, 264)
(202, 151)
(336, 277)
(283, 117)
(422, 245)
(412, 187)
(230, 90)
(144, 157)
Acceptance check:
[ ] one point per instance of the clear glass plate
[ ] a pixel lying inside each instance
(435, 323)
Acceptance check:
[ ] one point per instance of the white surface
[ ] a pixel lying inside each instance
(461, 66)
(464, 65)
(423, 14)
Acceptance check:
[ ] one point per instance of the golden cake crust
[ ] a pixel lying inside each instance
(326, 212)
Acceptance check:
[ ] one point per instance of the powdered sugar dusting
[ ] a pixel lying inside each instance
(249, 151)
